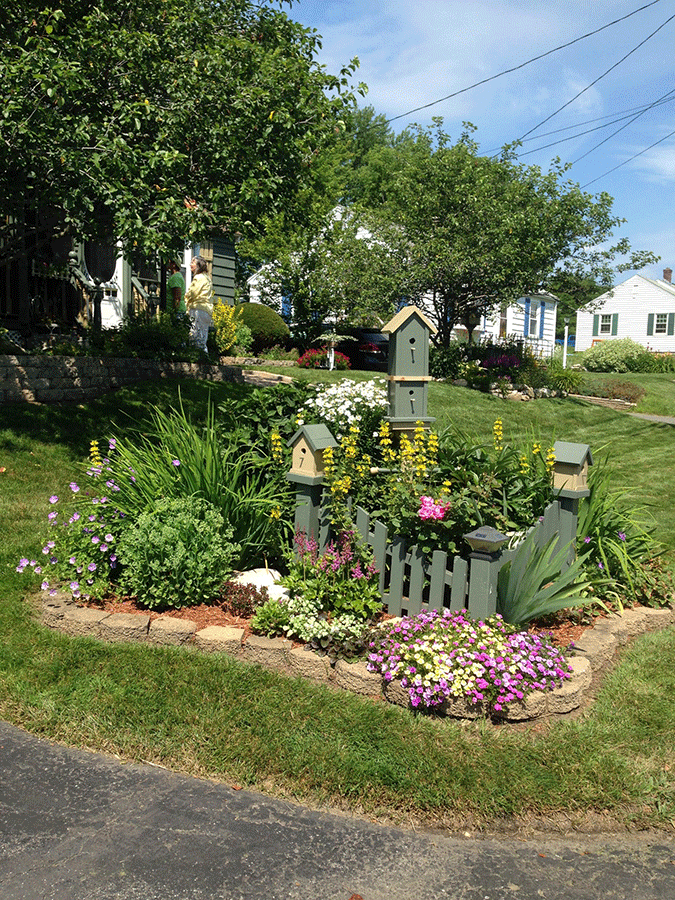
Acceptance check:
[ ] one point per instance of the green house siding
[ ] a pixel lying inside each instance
(223, 270)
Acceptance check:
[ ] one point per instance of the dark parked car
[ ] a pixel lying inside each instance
(369, 349)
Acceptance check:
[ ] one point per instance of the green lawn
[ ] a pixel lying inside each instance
(213, 716)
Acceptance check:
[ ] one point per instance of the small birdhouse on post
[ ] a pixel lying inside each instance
(570, 470)
(307, 471)
(570, 480)
(408, 369)
(308, 444)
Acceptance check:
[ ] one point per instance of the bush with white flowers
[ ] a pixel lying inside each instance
(348, 403)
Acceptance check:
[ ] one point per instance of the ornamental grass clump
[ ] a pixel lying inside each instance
(445, 656)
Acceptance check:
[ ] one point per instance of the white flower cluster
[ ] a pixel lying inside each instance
(343, 404)
(309, 624)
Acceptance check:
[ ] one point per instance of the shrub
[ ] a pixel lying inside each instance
(176, 554)
(445, 362)
(568, 380)
(267, 326)
(241, 599)
(348, 403)
(179, 459)
(318, 359)
(137, 337)
(623, 355)
(614, 389)
(252, 417)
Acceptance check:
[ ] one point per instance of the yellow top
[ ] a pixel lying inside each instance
(199, 295)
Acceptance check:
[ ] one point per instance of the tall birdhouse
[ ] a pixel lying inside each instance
(308, 445)
(570, 470)
(408, 368)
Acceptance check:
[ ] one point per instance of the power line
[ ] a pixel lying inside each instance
(666, 98)
(606, 72)
(615, 117)
(630, 159)
(522, 65)
(614, 133)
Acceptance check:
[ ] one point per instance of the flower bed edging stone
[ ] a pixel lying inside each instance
(594, 651)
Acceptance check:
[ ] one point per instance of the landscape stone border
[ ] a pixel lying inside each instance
(594, 652)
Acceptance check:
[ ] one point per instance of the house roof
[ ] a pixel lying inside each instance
(658, 283)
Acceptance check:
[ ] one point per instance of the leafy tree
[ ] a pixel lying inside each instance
(475, 231)
(157, 122)
(339, 274)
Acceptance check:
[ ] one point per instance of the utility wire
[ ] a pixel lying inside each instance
(666, 98)
(614, 133)
(589, 86)
(618, 116)
(630, 159)
(522, 65)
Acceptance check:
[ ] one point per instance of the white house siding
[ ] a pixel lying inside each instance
(640, 308)
(531, 319)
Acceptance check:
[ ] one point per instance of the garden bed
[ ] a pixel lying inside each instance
(211, 630)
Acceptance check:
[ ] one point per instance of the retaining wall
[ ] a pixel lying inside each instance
(595, 650)
(53, 379)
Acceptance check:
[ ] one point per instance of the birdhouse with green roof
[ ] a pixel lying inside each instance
(570, 470)
(308, 445)
(408, 368)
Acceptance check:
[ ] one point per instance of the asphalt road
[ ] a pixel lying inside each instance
(83, 826)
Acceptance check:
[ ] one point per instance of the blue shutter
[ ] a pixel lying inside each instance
(526, 323)
(650, 323)
(542, 309)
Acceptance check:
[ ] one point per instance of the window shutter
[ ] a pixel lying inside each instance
(542, 309)
(650, 323)
(671, 323)
(596, 325)
(526, 323)
(615, 324)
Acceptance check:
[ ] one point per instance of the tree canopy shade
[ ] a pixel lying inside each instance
(157, 122)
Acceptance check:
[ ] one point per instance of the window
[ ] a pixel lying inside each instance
(533, 319)
(605, 324)
(661, 323)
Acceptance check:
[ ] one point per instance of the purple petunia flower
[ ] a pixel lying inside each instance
(175, 462)
(622, 536)
(74, 487)
(92, 567)
(53, 499)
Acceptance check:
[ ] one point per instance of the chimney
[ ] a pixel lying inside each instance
(667, 275)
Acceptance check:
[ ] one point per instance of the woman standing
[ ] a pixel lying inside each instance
(199, 302)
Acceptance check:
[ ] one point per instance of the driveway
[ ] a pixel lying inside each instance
(84, 826)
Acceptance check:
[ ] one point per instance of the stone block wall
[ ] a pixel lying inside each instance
(54, 379)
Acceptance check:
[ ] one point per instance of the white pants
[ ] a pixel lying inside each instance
(201, 322)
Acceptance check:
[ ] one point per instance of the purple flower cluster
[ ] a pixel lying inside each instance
(445, 656)
(339, 557)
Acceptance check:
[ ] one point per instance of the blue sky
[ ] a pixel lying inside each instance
(413, 52)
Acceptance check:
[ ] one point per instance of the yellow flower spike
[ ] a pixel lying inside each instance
(550, 460)
(536, 448)
(524, 464)
(498, 434)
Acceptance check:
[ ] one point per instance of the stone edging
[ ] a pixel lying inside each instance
(594, 652)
